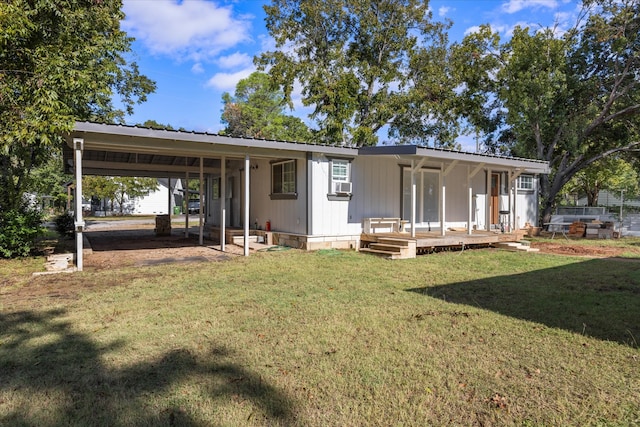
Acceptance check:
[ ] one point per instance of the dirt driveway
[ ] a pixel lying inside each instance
(116, 244)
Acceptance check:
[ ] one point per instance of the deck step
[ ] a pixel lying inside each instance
(386, 247)
(516, 247)
(393, 241)
(383, 253)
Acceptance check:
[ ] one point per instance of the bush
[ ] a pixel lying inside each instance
(65, 224)
(19, 230)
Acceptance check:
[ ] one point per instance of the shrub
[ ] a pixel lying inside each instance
(19, 229)
(65, 224)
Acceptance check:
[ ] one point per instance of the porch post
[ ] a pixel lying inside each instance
(443, 199)
(413, 199)
(515, 226)
(201, 237)
(487, 202)
(510, 199)
(169, 197)
(186, 197)
(223, 199)
(78, 147)
(469, 202)
(247, 167)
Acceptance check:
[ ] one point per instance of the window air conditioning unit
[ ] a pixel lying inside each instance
(342, 187)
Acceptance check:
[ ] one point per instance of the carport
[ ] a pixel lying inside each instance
(117, 150)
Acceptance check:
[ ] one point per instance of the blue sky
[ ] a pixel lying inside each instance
(196, 49)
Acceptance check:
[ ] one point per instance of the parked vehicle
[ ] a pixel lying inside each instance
(193, 207)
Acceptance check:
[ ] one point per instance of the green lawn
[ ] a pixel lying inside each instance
(480, 337)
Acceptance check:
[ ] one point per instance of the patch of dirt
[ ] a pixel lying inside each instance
(125, 248)
(578, 250)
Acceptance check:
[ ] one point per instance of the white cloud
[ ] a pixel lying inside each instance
(235, 60)
(513, 6)
(194, 29)
(197, 68)
(228, 81)
(443, 11)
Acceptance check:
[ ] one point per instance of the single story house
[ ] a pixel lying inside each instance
(315, 196)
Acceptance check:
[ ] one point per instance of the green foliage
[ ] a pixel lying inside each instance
(65, 224)
(570, 99)
(19, 229)
(362, 65)
(117, 189)
(611, 173)
(257, 111)
(59, 62)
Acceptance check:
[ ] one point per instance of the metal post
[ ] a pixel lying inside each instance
(247, 167)
(413, 200)
(223, 200)
(78, 146)
(201, 237)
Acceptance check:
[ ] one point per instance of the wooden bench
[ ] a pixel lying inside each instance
(393, 225)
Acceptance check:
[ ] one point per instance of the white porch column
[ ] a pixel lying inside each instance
(169, 197)
(247, 167)
(487, 203)
(413, 199)
(515, 226)
(443, 200)
(78, 147)
(201, 214)
(186, 198)
(469, 202)
(223, 200)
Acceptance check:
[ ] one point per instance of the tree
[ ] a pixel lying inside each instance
(362, 65)
(118, 189)
(257, 111)
(59, 62)
(571, 100)
(611, 173)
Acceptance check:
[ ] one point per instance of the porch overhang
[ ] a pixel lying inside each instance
(414, 152)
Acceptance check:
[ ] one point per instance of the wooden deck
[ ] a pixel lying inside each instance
(427, 242)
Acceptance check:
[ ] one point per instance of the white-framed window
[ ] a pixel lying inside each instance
(283, 179)
(340, 182)
(525, 183)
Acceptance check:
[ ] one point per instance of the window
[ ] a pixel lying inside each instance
(340, 179)
(525, 182)
(283, 180)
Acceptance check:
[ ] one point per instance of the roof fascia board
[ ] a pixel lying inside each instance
(531, 166)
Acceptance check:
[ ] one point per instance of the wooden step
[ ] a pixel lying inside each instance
(386, 247)
(393, 241)
(384, 254)
(516, 247)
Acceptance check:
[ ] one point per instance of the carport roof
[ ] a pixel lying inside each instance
(137, 151)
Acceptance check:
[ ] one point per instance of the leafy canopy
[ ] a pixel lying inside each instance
(571, 100)
(362, 65)
(257, 111)
(59, 62)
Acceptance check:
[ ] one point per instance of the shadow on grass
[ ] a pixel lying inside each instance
(63, 377)
(599, 298)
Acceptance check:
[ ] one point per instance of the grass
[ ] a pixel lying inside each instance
(482, 337)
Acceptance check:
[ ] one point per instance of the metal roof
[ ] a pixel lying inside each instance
(137, 151)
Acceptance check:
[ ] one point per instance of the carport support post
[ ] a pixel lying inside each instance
(223, 200)
(78, 146)
(247, 167)
(201, 238)
(186, 193)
